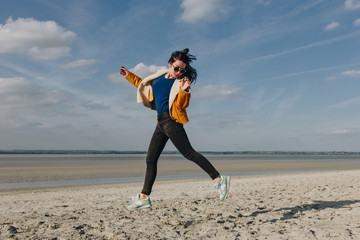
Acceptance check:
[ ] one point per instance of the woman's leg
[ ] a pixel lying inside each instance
(157, 144)
(176, 132)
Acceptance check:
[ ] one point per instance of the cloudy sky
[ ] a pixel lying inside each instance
(272, 75)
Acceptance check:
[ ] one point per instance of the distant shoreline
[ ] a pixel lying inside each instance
(2, 152)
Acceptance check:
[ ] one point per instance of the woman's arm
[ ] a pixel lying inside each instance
(135, 80)
(183, 98)
(179, 105)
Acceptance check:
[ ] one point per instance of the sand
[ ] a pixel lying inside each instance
(322, 205)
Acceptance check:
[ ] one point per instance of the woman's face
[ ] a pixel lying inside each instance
(177, 68)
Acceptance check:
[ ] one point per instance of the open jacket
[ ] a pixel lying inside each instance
(178, 99)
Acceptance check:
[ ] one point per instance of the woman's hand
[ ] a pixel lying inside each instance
(185, 84)
(124, 71)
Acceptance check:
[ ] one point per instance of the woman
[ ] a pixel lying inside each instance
(168, 92)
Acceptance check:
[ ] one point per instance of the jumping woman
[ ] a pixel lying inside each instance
(168, 92)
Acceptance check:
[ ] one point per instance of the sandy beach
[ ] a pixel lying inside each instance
(322, 205)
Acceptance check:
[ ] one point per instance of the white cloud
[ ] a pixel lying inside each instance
(338, 131)
(140, 70)
(216, 91)
(332, 26)
(99, 105)
(352, 4)
(309, 46)
(19, 92)
(116, 78)
(352, 73)
(203, 10)
(264, 2)
(354, 102)
(49, 53)
(79, 63)
(332, 78)
(42, 40)
(357, 22)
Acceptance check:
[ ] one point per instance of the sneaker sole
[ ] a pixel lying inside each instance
(145, 207)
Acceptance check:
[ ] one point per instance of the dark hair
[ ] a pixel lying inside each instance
(187, 58)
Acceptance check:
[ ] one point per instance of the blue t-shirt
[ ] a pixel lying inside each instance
(161, 90)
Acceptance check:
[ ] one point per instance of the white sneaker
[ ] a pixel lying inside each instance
(139, 204)
(223, 187)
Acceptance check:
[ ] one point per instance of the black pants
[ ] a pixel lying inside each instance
(168, 128)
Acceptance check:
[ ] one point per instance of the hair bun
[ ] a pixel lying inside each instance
(186, 51)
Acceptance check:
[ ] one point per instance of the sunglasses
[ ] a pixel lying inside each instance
(177, 69)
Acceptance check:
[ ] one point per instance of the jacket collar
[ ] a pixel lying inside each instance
(154, 76)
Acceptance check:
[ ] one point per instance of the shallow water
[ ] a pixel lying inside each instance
(39, 171)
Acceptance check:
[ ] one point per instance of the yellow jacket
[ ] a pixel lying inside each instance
(178, 99)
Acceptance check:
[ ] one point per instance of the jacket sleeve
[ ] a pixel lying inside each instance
(182, 100)
(135, 80)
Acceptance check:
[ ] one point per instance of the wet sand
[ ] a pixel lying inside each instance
(323, 205)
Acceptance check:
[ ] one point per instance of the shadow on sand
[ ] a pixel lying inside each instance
(317, 205)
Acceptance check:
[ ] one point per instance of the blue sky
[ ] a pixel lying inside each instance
(272, 75)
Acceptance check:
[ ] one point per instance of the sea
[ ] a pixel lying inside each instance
(23, 171)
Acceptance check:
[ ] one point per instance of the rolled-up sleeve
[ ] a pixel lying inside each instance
(133, 79)
(183, 99)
